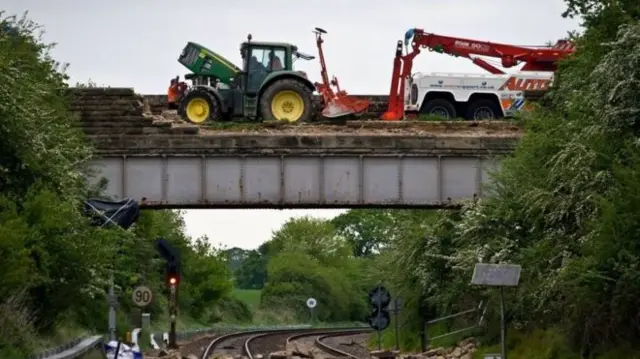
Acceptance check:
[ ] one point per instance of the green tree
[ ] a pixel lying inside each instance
(313, 236)
(253, 272)
(207, 278)
(235, 257)
(563, 204)
(39, 140)
(56, 264)
(366, 230)
(307, 257)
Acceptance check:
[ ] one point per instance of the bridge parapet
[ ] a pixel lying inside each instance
(121, 122)
(165, 163)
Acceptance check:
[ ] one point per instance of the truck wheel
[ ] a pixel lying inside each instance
(439, 107)
(199, 106)
(287, 100)
(483, 109)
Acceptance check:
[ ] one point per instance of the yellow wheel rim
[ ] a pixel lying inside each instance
(198, 110)
(287, 106)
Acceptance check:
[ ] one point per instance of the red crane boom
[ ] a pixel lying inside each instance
(534, 59)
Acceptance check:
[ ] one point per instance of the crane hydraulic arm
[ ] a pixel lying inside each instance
(534, 59)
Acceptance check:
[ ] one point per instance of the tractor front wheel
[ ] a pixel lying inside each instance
(199, 106)
(287, 100)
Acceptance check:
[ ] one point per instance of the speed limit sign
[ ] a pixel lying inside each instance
(142, 296)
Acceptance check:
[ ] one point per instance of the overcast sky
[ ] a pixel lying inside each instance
(135, 43)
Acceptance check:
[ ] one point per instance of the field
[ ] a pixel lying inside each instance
(250, 296)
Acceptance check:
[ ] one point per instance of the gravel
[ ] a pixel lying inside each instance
(268, 344)
(371, 127)
(355, 344)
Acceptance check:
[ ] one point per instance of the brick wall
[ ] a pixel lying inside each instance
(116, 112)
(118, 122)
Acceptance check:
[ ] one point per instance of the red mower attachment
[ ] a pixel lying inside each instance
(338, 103)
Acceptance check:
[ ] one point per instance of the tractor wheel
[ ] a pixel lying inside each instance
(199, 106)
(287, 100)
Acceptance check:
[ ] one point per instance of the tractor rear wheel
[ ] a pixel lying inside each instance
(287, 100)
(199, 106)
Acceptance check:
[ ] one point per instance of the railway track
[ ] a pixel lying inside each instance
(252, 344)
(320, 341)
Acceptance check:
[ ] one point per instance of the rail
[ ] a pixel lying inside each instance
(335, 351)
(81, 345)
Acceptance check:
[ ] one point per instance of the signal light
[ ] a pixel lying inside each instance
(172, 273)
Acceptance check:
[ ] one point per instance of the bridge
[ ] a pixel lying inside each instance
(164, 163)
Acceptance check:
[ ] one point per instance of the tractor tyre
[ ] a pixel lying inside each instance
(287, 100)
(199, 106)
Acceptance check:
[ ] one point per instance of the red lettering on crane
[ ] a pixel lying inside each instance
(519, 84)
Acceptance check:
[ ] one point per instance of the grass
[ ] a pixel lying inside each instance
(250, 296)
(550, 344)
(410, 341)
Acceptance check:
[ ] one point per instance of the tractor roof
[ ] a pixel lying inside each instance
(269, 44)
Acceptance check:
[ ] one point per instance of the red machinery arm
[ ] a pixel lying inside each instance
(534, 59)
(338, 103)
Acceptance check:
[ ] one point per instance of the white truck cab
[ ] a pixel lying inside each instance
(471, 96)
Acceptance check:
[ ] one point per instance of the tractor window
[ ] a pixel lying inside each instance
(256, 69)
(274, 60)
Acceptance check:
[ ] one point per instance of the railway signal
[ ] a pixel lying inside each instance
(172, 278)
(379, 319)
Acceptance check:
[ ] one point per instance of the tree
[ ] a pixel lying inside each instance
(313, 236)
(560, 205)
(55, 264)
(235, 257)
(39, 142)
(367, 231)
(252, 273)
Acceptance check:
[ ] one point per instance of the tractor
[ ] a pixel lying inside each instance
(267, 87)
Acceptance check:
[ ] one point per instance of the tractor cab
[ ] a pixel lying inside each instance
(260, 59)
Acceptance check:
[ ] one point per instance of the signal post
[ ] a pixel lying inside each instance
(172, 277)
(173, 311)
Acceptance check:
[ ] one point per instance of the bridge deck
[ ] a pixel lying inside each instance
(258, 170)
(312, 181)
(166, 164)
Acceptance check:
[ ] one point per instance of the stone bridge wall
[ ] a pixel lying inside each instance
(115, 120)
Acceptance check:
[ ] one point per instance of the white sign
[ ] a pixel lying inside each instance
(142, 296)
(503, 275)
(311, 303)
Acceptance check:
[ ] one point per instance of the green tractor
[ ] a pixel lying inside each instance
(265, 88)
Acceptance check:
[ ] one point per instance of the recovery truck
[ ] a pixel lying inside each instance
(266, 87)
(470, 96)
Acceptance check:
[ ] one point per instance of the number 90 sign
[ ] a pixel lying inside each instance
(142, 296)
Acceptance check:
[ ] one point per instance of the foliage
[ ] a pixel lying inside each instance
(306, 258)
(56, 265)
(39, 141)
(564, 206)
(367, 231)
(248, 266)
